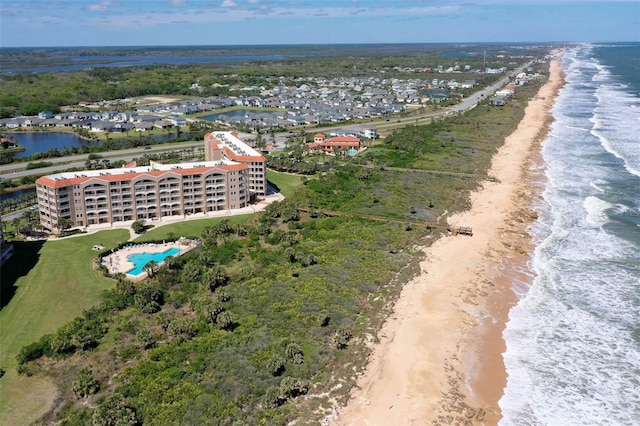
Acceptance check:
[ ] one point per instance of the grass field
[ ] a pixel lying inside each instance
(43, 287)
(187, 229)
(286, 183)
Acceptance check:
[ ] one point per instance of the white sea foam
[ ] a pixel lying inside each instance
(596, 211)
(596, 185)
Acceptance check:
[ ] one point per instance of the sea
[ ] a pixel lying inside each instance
(573, 339)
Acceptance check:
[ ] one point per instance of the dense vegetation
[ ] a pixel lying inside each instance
(231, 332)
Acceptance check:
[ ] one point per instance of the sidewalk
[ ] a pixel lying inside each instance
(168, 220)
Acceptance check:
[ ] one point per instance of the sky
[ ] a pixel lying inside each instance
(45, 23)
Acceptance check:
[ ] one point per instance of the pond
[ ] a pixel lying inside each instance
(233, 113)
(44, 141)
(17, 194)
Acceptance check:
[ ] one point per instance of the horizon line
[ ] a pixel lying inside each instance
(320, 44)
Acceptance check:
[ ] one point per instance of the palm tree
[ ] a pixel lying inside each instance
(64, 224)
(16, 225)
(150, 267)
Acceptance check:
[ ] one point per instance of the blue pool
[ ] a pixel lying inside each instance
(141, 259)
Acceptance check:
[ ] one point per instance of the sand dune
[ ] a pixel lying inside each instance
(439, 357)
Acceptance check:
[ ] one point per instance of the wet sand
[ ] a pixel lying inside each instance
(439, 360)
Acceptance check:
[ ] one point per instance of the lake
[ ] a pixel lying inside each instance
(234, 113)
(17, 194)
(44, 141)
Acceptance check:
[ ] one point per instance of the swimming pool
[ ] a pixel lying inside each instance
(141, 259)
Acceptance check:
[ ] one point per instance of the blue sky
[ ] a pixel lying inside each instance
(226, 22)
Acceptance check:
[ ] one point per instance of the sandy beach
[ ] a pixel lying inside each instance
(439, 360)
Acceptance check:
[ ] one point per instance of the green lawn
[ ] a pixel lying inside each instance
(48, 285)
(287, 183)
(188, 228)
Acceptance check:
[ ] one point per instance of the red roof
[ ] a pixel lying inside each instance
(351, 139)
(61, 183)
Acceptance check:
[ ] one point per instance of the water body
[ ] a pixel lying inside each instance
(44, 141)
(17, 194)
(142, 60)
(573, 340)
(234, 113)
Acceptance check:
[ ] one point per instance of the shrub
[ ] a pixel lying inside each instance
(275, 365)
(291, 387)
(271, 398)
(144, 338)
(148, 295)
(294, 353)
(85, 384)
(224, 320)
(114, 411)
(32, 351)
(341, 338)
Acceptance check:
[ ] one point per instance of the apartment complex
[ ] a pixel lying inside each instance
(155, 191)
(227, 146)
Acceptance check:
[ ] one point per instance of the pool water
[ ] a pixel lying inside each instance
(141, 259)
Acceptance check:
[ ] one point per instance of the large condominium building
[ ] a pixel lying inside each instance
(227, 145)
(159, 190)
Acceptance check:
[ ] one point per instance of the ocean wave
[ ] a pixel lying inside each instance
(616, 124)
(573, 344)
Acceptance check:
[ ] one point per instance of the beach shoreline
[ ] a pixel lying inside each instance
(439, 359)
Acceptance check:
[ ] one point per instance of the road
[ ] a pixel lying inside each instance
(18, 170)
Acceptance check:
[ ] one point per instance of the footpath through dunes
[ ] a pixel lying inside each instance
(439, 357)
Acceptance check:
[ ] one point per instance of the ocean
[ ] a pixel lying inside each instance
(573, 339)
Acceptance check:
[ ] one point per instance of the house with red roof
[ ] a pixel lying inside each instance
(335, 144)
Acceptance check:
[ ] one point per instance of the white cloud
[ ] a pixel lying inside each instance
(103, 6)
(178, 3)
(229, 3)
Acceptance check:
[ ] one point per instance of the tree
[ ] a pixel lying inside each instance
(85, 384)
(16, 225)
(148, 299)
(150, 267)
(63, 224)
(213, 278)
(138, 226)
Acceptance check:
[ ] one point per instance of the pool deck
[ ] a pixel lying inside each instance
(119, 262)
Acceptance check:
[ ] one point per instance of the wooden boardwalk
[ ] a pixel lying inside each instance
(454, 230)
